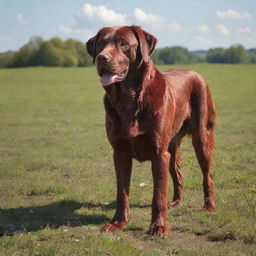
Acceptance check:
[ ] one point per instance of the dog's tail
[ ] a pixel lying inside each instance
(211, 111)
(203, 112)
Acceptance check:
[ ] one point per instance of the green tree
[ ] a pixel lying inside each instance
(84, 59)
(23, 57)
(49, 55)
(253, 57)
(155, 57)
(174, 55)
(69, 59)
(235, 54)
(6, 59)
(215, 55)
(27, 53)
(69, 53)
(57, 42)
(35, 42)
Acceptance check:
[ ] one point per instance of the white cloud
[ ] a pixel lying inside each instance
(203, 29)
(146, 18)
(232, 14)
(70, 30)
(177, 27)
(203, 39)
(244, 30)
(99, 14)
(223, 30)
(247, 33)
(20, 18)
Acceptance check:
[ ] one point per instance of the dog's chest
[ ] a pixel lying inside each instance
(139, 137)
(131, 125)
(142, 147)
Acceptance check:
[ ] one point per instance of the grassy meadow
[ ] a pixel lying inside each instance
(57, 182)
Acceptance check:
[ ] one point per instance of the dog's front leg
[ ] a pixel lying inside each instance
(160, 167)
(123, 167)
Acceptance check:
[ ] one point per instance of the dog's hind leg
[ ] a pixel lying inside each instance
(204, 154)
(202, 128)
(174, 168)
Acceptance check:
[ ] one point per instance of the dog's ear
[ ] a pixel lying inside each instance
(91, 47)
(147, 42)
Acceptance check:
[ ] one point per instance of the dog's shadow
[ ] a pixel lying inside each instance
(54, 215)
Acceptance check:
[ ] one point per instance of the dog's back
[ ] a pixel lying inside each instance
(193, 101)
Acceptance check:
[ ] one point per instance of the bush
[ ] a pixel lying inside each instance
(49, 55)
(156, 59)
(234, 54)
(69, 60)
(174, 55)
(23, 57)
(215, 55)
(84, 59)
(6, 59)
(57, 42)
(253, 57)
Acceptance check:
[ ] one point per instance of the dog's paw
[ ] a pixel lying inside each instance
(158, 230)
(209, 205)
(209, 208)
(114, 227)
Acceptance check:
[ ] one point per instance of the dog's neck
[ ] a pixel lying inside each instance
(128, 100)
(130, 92)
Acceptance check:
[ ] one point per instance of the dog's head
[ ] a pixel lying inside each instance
(116, 49)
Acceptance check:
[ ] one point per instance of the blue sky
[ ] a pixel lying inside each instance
(195, 24)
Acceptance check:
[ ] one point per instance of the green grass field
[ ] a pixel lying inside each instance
(57, 185)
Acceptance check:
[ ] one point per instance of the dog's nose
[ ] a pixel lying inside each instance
(103, 58)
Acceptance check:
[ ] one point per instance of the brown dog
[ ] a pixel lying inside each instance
(147, 115)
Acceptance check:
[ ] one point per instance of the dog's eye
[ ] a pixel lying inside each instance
(123, 43)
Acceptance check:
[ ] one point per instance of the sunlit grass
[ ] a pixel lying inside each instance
(57, 185)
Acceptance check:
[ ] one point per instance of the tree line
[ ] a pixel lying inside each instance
(234, 54)
(180, 55)
(53, 52)
(69, 53)
(175, 55)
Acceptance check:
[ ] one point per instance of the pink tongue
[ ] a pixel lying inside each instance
(108, 78)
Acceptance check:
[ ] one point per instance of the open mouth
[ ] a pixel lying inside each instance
(107, 78)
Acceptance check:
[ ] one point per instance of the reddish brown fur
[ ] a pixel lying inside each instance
(147, 115)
